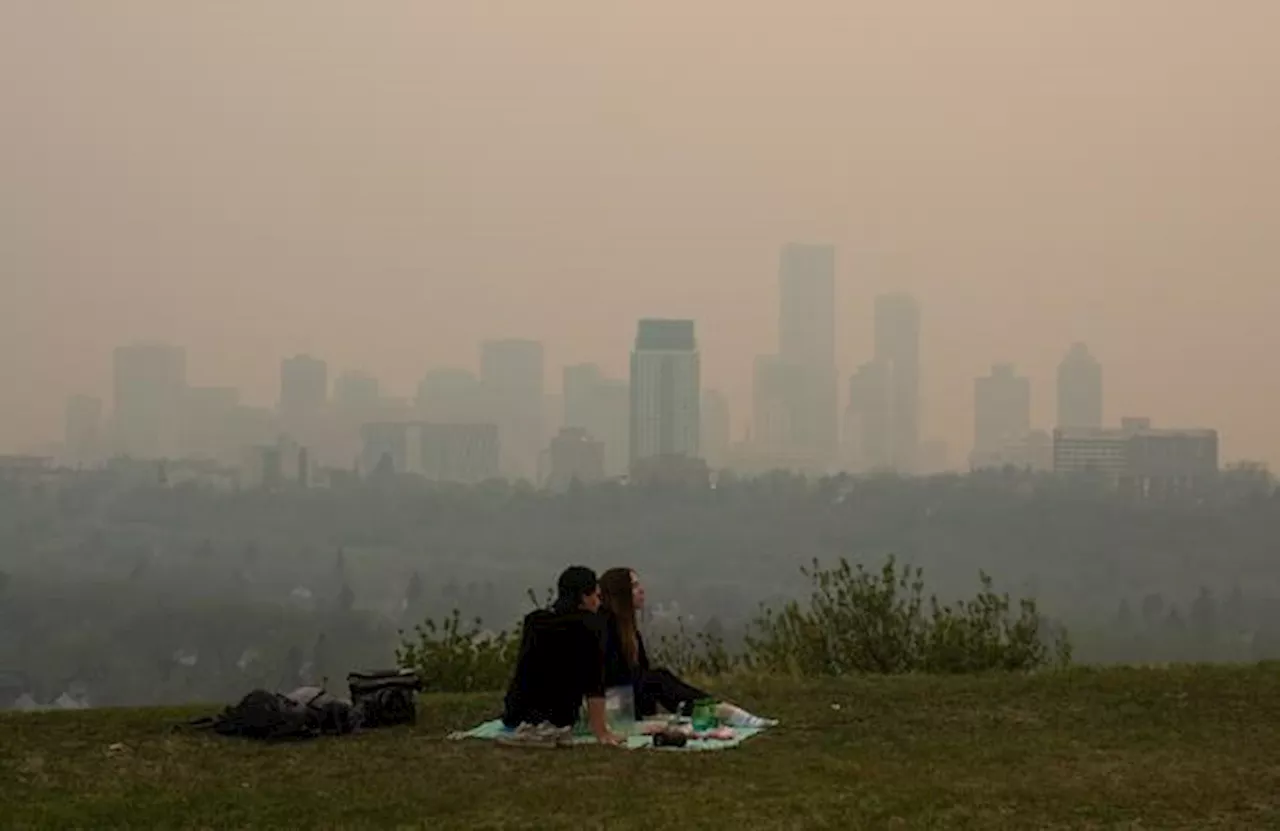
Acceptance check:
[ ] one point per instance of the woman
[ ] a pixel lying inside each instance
(560, 662)
(627, 664)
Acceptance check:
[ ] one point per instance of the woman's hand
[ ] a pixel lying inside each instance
(610, 739)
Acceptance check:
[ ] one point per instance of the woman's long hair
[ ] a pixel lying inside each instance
(615, 591)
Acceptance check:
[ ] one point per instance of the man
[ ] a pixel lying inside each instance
(560, 663)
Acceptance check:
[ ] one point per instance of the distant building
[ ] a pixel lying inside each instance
(304, 395)
(1079, 390)
(385, 443)
(868, 420)
(1139, 457)
(806, 344)
(666, 383)
(1001, 413)
(464, 453)
(934, 457)
(512, 378)
(356, 396)
(671, 472)
(897, 356)
(150, 387)
(601, 406)
(575, 456)
(716, 426)
(450, 396)
(82, 433)
(208, 416)
(776, 389)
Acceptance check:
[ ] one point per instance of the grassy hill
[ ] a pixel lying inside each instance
(1183, 748)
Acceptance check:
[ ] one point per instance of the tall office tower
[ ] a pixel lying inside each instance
(868, 422)
(666, 385)
(716, 426)
(1079, 389)
(209, 415)
(150, 387)
(1001, 414)
(776, 390)
(512, 384)
(82, 433)
(357, 396)
(450, 396)
(601, 406)
(304, 390)
(806, 344)
(897, 350)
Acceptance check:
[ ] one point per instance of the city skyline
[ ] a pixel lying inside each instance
(491, 172)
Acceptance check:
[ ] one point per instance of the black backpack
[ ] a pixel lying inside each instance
(385, 698)
(269, 716)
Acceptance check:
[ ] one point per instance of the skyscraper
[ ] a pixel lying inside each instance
(1001, 414)
(512, 383)
(356, 395)
(150, 387)
(601, 406)
(304, 389)
(450, 396)
(666, 384)
(897, 350)
(83, 430)
(806, 344)
(1079, 389)
(716, 424)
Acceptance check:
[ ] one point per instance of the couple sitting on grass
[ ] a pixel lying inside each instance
(585, 644)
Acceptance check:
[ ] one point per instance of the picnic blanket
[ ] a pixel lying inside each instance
(493, 729)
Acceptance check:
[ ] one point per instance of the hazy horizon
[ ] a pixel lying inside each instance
(386, 185)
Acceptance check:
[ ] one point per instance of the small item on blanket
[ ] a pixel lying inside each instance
(670, 738)
(720, 734)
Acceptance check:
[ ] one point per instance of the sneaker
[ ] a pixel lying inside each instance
(542, 735)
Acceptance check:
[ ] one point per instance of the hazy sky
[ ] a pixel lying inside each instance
(384, 183)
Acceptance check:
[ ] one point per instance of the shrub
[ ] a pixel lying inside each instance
(700, 654)
(858, 621)
(451, 658)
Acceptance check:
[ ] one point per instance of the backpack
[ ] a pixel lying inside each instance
(269, 716)
(385, 698)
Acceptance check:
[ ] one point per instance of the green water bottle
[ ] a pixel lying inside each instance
(704, 714)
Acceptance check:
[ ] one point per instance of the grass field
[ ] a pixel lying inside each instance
(1184, 748)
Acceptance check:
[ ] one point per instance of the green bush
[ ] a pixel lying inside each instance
(451, 658)
(698, 655)
(858, 621)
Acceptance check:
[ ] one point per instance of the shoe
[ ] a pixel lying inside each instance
(544, 735)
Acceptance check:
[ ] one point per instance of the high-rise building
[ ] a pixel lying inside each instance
(868, 420)
(716, 426)
(897, 350)
(575, 456)
(601, 406)
(466, 453)
(450, 396)
(304, 390)
(356, 395)
(666, 384)
(1001, 414)
(83, 430)
(777, 393)
(208, 414)
(512, 379)
(150, 387)
(1079, 390)
(806, 344)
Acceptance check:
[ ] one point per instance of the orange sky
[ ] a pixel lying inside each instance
(387, 183)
